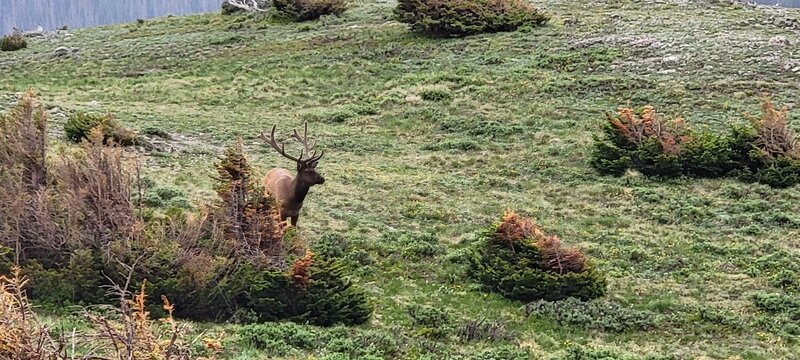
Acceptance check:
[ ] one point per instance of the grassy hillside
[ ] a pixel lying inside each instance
(443, 135)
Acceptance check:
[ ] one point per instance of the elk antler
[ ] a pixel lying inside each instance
(281, 148)
(304, 140)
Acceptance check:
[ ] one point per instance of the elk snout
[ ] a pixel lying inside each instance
(320, 180)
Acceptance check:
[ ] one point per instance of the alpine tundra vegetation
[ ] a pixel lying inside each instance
(504, 179)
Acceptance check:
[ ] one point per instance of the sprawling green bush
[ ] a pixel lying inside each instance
(430, 321)
(505, 352)
(577, 352)
(453, 18)
(517, 260)
(783, 310)
(414, 246)
(329, 298)
(304, 10)
(281, 339)
(708, 155)
(13, 42)
(592, 315)
(80, 125)
(765, 151)
(642, 141)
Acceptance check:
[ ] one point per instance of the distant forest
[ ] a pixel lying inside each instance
(28, 14)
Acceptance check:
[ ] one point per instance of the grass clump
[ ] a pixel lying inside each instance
(455, 18)
(458, 145)
(305, 10)
(516, 259)
(766, 151)
(481, 329)
(435, 93)
(13, 42)
(79, 125)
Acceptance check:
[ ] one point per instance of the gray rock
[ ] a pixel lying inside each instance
(228, 8)
(779, 41)
(39, 32)
(61, 51)
(64, 51)
(670, 60)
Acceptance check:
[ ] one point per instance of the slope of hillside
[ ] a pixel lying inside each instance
(443, 135)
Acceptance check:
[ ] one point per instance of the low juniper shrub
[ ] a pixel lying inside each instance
(592, 315)
(578, 352)
(78, 127)
(305, 10)
(13, 42)
(516, 259)
(455, 18)
(765, 151)
(430, 321)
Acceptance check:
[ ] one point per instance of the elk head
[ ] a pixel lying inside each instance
(291, 191)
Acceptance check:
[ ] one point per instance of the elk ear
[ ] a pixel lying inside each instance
(299, 166)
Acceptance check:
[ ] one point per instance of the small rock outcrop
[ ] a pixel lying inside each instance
(39, 32)
(239, 6)
(64, 51)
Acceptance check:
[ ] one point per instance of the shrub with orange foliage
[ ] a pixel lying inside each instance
(22, 336)
(641, 140)
(559, 259)
(670, 134)
(767, 151)
(775, 137)
(517, 259)
(300, 269)
(131, 334)
(515, 229)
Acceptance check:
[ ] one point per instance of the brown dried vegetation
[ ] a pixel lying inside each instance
(22, 336)
(71, 225)
(248, 217)
(83, 201)
(775, 138)
(123, 332)
(300, 272)
(556, 258)
(671, 134)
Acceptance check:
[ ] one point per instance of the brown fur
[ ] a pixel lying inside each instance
(290, 191)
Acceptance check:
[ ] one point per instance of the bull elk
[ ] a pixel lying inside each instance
(287, 190)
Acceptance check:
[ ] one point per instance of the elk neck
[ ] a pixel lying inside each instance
(300, 190)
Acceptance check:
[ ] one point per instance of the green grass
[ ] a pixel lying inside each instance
(443, 135)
